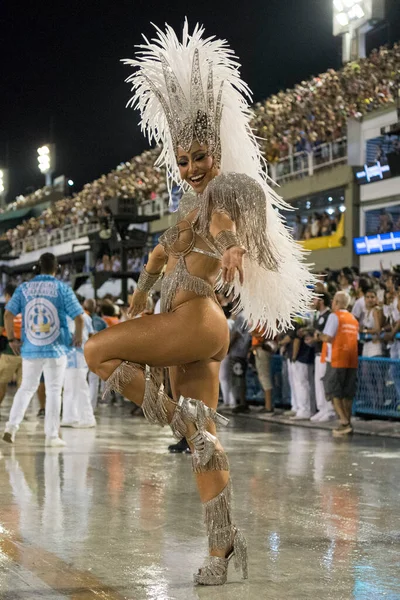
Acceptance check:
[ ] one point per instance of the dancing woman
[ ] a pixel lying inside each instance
(228, 235)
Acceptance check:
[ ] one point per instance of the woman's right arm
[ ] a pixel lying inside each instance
(148, 277)
(157, 260)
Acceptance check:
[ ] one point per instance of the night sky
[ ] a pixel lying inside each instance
(61, 66)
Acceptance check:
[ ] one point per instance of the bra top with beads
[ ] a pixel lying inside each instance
(180, 278)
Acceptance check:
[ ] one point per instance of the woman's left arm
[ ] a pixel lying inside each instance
(223, 230)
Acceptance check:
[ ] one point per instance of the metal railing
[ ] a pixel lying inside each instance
(378, 386)
(158, 206)
(53, 238)
(305, 164)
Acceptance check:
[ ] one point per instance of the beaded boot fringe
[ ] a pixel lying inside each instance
(186, 408)
(121, 377)
(218, 519)
(218, 462)
(155, 400)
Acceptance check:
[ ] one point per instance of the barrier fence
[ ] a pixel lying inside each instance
(378, 386)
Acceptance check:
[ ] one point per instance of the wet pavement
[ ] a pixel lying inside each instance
(114, 516)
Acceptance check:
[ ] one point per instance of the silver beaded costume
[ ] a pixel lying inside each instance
(191, 90)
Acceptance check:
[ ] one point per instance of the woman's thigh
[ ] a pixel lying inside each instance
(197, 380)
(197, 331)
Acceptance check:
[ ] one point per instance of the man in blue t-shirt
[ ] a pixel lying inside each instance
(45, 303)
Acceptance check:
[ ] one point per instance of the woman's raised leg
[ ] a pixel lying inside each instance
(123, 356)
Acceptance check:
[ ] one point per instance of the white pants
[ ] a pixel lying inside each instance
(225, 382)
(293, 403)
(53, 370)
(323, 405)
(300, 387)
(77, 407)
(93, 381)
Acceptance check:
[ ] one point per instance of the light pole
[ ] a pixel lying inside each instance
(352, 19)
(3, 185)
(46, 161)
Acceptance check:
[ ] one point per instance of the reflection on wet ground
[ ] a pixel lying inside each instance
(114, 516)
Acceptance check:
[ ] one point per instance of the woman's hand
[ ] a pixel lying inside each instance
(138, 303)
(232, 260)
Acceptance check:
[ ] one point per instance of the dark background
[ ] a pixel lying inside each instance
(60, 75)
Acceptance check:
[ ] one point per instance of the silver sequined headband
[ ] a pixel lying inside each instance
(200, 117)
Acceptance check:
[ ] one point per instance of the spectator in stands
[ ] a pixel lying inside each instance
(341, 331)
(385, 221)
(301, 355)
(322, 307)
(263, 349)
(358, 310)
(77, 406)
(240, 341)
(107, 312)
(346, 280)
(298, 228)
(316, 225)
(372, 325)
(99, 324)
(10, 364)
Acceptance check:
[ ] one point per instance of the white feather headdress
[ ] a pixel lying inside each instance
(191, 89)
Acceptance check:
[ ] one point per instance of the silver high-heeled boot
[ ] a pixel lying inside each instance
(186, 410)
(215, 569)
(189, 410)
(222, 534)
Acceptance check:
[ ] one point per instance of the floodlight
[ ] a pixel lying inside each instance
(1, 181)
(46, 158)
(338, 4)
(356, 12)
(70, 182)
(342, 19)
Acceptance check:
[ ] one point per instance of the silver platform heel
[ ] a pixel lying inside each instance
(215, 569)
(196, 412)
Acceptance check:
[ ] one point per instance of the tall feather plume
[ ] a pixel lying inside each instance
(271, 295)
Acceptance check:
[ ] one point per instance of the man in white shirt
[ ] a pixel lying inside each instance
(77, 405)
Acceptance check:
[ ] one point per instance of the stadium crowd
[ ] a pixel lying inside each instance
(137, 178)
(316, 225)
(302, 118)
(316, 111)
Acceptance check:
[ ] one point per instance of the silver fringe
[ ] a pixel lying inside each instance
(218, 462)
(193, 411)
(121, 377)
(243, 200)
(218, 519)
(147, 280)
(155, 400)
(226, 239)
(240, 555)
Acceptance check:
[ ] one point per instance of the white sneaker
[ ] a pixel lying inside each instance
(55, 442)
(300, 417)
(9, 434)
(325, 417)
(316, 417)
(84, 425)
